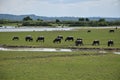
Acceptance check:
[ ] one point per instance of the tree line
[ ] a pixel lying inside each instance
(28, 21)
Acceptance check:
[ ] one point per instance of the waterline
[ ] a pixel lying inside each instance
(36, 49)
(21, 29)
(59, 50)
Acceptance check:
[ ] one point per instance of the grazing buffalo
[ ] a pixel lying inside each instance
(40, 38)
(110, 43)
(111, 31)
(15, 38)
(69, 38)
(28, 38)
(60, 36)
(96, 42)
(57, 40)
(78, 42)
(89, 31)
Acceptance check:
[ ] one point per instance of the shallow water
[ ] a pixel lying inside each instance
(20, 29)
(28, 28)
(116, 52)
(36, 49)
(56, 50)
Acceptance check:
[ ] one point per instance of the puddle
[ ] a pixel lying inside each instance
(36, 49)
(102, 52)
(116, 52)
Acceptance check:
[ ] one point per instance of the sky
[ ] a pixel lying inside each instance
(61, 8)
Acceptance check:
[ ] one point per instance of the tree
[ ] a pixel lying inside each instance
(81, 19)
(39, 20)
(27, 18)
(86, 19)
(57, 21)
(102, 20)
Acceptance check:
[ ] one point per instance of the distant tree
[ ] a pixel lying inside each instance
(39, 20)
(27, 18)
(102, 20)
(86, 19)
(103, 24)
(57, 21)
(81, 19)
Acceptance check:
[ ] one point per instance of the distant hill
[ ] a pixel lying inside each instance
(35, 17)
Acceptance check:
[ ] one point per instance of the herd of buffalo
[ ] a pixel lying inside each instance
(78, 41)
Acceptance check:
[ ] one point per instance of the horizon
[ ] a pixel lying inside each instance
(54, 16)
(62, 8)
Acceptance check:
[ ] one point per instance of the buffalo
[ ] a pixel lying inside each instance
(96, 42)
(69, 38)
(15, 38)
(28, 38)
(57, 40)
(78, 42)
(40, 38)
(60, 36)
(79, 39)
(111, 31)
(89, 31)
(110, 43)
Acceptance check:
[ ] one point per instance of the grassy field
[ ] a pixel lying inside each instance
(100, 34)
(58, 66)
(76, 65)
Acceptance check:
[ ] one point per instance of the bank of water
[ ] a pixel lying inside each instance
(59, 50)
(20, 29)
(36, 49)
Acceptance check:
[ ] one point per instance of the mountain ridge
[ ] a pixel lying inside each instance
(45, 18)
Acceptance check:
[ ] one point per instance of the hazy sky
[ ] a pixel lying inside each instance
(77, 8)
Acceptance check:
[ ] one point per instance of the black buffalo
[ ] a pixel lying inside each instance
(78, 42)
(89, 31)
(40, 38)
(28, 38)
(15, 38)
(110, 43)
(111, 31)
(60, 36)
(96, 42)
(69, 38)
(57, 40)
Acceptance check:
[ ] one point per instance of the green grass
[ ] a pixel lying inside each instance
(53, 66)
(11, 24)
(60, 65)
(101, 34)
